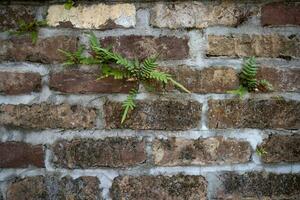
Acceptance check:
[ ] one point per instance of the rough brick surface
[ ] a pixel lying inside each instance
(110, 152)
(75, 81)
(200, 14)
(207, 80)
(12, 83)
(176, 152)
(281, 148)
(167, 47)
(280, 14)
(11, 15)
(157, 115)
(20, 155)
(274, 46)
(45, 50)
(42, 116)
(95, 16)
(259, 185)
(51, 187)
(272, 113)
(179, 187)
(284, 80)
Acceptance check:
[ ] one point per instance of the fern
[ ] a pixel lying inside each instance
(129, 104)
(130, 69)
(31, 27)
(248, 80)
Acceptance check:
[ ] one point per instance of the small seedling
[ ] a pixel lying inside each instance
(248, 81)
(31, 27)
(69, 4)
(260, 151)
(144, 71)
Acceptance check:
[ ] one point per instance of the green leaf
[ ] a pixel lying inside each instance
(241, 91)
(128, 104)
(34, 36)
(68, 5)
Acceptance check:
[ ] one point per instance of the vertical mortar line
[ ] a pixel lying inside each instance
(204, 113)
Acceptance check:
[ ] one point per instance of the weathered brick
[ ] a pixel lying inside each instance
(214, 150)
(283, 80)
(52, 187)
(259, 185)
(132, 46)
(42, 116)
(95, 16)
(195, 14)
(280, 13)
(75, 81)
(179, 187)
(20, 155)
(12, 83)
(110, 152)
(207, 80)
(281, 148)
(45, 50)
(252, 113)
(11, 15)
(274, 46)
(156, 115)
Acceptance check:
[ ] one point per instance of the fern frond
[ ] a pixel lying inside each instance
(160, 76)
(175, 83)
(129, 104)
(248, 74)
(109, 71)
(148, 66)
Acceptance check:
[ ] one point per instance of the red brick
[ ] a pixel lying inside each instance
(45, 50)
(214, 150)
(156, 115)
(88, 153)
(167, 47)
(254, 113)
(281, 148)
(75, 81)
(43, 116)
(12, 83)
(280, 13)
(178, 187)
(21, 155)
(282, 80)
(273, 46)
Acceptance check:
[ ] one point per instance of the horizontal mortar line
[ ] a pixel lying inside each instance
(254, 136)
(138, 171)
(91, 100)
(251, 29)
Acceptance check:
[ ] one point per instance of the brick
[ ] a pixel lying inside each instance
(207, 80)
(253, 113)
(132, 46)
(11, 15)
(278, 14)
(259, 185)
(281, 148)
(95, 16)
(44, 51)
(214, 150)
(43, 116)
(156, 115)
(179, 187)
(282, 80)
(75, 81)
(200, 14)
(88, 153)
(273, 46)
(12, 83)
(52, 187)
(21, 155)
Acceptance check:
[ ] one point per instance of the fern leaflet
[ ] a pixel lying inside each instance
(128, 104)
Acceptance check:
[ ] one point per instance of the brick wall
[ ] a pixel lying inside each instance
(60, 136)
